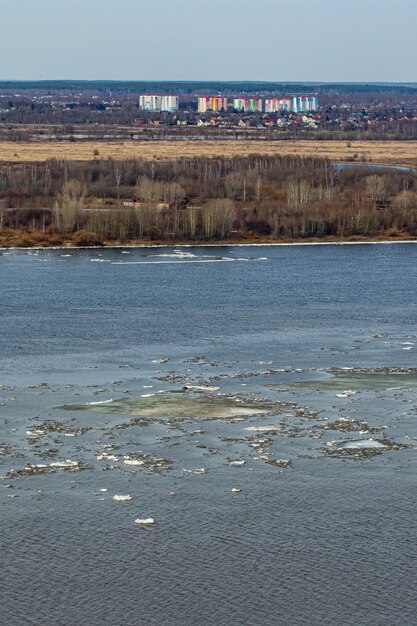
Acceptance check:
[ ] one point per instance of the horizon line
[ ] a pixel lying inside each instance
(155, 80)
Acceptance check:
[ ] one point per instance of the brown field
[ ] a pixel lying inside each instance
(389, 152)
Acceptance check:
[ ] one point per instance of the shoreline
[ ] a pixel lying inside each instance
(217, 245)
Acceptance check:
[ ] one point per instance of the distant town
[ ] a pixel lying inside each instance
(115, 110)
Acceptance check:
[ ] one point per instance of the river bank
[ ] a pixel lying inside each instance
(35, 240)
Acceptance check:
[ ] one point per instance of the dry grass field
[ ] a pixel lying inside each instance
(388, 152)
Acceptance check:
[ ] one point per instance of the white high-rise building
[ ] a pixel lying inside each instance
(271, 105)
(312, 103)
(304, 104)
(169, 103)
(285, 104)
(155, 103)
(275, 105)
(297, 104)
(150, 102)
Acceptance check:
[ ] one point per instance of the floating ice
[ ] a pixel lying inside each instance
(279, 462)
(35, 433)
(105, 456)
(361, 443)
(262, 429)
(126, 498)
(64, 464)
(148, 521)
(346, 394)
(201, 388)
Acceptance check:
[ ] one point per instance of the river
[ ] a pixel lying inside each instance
(258, 403)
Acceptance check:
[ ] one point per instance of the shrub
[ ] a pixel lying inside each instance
(86, 238)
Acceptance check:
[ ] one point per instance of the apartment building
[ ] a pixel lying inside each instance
(212, 103)
(157, 103)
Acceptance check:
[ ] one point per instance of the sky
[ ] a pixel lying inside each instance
(266, 40)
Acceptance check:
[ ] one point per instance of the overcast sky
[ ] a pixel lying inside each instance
(276, 40)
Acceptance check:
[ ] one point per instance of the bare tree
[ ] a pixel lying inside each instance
(2, 214)
(149, 191)
(235, 186)
(405, 200)
(118, 173)
(298, 192)
(193, 217)
(47, 179)
(217, 218)
(173, 193)
(68, 206)
(375, 187)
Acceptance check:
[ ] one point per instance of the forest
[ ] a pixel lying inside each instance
(254, 87)
(254, 198)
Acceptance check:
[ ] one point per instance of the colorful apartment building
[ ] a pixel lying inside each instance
(297, 104)
(248, 105)
(276, 105)
(212, 103)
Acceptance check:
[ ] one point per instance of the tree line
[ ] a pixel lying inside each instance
(203, 199)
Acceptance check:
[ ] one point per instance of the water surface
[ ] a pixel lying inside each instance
(283, 373)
